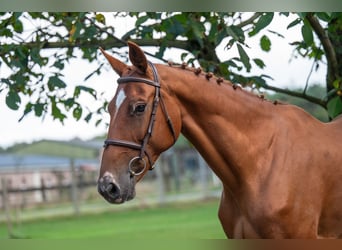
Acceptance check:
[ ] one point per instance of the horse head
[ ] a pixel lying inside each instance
(144, 122)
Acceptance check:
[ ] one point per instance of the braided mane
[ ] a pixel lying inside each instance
(219, 80)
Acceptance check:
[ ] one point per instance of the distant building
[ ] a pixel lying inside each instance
(24, 169)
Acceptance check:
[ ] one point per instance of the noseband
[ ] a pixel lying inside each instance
(142, 146)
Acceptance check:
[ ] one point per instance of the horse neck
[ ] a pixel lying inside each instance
(224, 123)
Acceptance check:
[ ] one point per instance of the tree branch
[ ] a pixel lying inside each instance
(110, 42)
(249, 20)
(327, 46)
(302, 95)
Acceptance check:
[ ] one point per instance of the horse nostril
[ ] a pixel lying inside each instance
(109, 190)
(113, 190)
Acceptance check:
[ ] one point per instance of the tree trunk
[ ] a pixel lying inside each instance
(335, 36)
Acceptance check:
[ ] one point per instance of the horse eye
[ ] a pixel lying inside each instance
(139, 108)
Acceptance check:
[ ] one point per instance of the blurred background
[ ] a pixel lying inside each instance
(48, 182)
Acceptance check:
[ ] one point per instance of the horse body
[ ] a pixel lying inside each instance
(279, 166)
(281, 169)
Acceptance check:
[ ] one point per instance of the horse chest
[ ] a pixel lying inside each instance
(234, 223)
(242, 228)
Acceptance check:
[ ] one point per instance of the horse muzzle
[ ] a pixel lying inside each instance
(112, 192)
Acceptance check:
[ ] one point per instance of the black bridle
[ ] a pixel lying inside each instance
(142, 146)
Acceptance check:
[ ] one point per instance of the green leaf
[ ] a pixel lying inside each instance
(334, 106)
(89, 34)
(141, 20)
(184, 55)
(80, 88)
(59, 64)
(55, 82)
(259, 81)
(197, 31)
(223, 69)
(28, 109)
(215, 34)
(68, 103)
(324, 16)
(230, 31)
(259, 62)
(77, 33)
(336, 83)
(294, 23)
(77, 91)
(77, 112)
(56, 112)
(161, 51)
(88, 117)
(21, 53)
(13, 100)
(302, 15)
(180, 17)
(35, 56)
(265, 43)
(98, 122)
(284, 13)
(244, 57)
(5, 81)
(307, 34)
(18, 26)
(38, 109)
(262, 22)
(6, 32)
(100, 18)
(236, 33)
(229, 63)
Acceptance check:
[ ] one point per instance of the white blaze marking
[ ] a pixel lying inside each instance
(108, 174)
(120, 99)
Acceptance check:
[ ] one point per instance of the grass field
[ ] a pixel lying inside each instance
(197, 220)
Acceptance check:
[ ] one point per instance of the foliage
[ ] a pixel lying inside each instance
(36, 47)
(36, 66)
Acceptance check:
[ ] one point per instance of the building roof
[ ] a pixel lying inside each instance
(40, 162)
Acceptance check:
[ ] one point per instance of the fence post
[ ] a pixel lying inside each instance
(160, 179)
(175, 168)
(73, 185)
(203, 175)
(42, 189)
(6, 203)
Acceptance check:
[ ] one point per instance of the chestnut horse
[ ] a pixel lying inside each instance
(281, 168)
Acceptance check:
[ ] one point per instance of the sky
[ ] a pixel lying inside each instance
(285, 72)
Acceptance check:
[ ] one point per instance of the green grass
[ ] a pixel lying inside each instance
(197, 220)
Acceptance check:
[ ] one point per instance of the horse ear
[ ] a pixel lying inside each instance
(137, 56)
(117, 65)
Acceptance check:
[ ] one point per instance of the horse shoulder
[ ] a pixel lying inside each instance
(234, 222)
